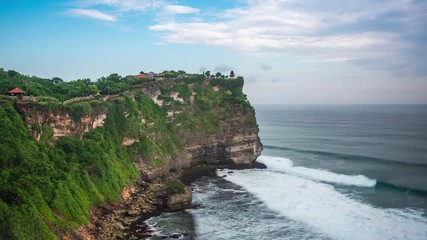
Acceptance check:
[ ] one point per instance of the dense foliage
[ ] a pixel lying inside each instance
(48, 187)
(63, 90)
(55, 87)
(44, 187)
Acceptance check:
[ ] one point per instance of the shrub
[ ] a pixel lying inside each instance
(175, 187)
(159, 162)
(80, 109)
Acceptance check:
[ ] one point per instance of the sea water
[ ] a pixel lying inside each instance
(333, 172)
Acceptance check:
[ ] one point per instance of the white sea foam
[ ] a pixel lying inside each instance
(319, 205)
(233, 215)
(286, 165)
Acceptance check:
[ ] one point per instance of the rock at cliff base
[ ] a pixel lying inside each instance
(182, 201)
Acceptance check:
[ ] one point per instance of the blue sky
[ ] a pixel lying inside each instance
(289, 51)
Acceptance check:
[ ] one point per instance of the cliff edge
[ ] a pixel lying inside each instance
(115, 150)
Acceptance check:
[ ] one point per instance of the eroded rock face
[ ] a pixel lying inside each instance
(60, 121)
(234, 143)
(178, 202)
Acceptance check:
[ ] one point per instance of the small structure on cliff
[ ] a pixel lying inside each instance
(17, 92)
(142, 75)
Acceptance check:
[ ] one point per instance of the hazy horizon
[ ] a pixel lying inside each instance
(290, 52)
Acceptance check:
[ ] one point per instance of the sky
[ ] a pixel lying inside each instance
(288, 51)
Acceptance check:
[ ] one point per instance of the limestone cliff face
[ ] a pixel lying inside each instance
(60, 121)
(234, 141)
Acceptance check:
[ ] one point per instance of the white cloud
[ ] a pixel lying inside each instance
(126, 5)
(90, 8)
(349, 31)
(317, 59)
(91, 13)
(179, 9)
(252, 39)
(264, 26)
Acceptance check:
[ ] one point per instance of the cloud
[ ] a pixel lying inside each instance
(323, 58)
(265, 66)
(223, 68)
(352, 31)
(126, 5)
(91, 13)
(95, 9)
(250, 40)
(265, 26)
(179, 9)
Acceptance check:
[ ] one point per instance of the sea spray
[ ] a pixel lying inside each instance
(285, 165)
(305, 199)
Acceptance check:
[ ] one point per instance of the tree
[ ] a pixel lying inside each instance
(12, 73)
(232, 74)
(92, 89)
(57, 80)
(208, 73)
(218, 74)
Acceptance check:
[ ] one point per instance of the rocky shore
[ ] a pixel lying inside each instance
(126, 219)
(123, 220)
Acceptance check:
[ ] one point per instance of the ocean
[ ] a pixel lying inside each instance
(333, 172)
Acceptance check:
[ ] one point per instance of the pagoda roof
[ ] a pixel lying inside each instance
(16, 91)
(141, 75)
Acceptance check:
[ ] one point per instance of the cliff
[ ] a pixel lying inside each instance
(84, 153)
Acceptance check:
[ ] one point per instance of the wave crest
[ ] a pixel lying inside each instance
(347, 157)
(285, 165)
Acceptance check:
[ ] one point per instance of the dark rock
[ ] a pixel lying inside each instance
(259, 165)
(175, 235)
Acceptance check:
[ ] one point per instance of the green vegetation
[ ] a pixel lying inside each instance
(183, 90)
(233, 90)
(54, 87)
(62, 90)
(45, 187)
(159, 163)
(175, 187)
(49, 186)
(80, 109)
